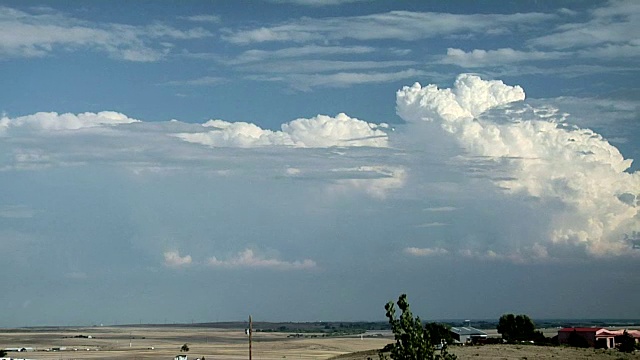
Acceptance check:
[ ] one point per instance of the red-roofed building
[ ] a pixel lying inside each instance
(595, 337)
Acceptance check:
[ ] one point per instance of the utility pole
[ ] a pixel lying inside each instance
(250, 335)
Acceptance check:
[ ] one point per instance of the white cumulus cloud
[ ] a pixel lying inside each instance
(317, 132)
(173, 259)
(414, 251)
(67, 121)
(470, 96)
(542, 158)
(248, 259)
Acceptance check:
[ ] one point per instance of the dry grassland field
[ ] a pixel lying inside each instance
(516, 352)
(165, 343)
(137, 343)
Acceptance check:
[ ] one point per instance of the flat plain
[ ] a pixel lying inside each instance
(164, 342)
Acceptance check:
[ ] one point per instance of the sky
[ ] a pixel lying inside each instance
(303, 160)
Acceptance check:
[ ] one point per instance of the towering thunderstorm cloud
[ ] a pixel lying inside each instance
(545, 159)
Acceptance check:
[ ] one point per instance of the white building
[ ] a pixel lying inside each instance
(467, 334)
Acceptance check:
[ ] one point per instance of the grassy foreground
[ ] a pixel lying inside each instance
(515, 352)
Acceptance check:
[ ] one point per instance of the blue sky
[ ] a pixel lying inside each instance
(307, 160)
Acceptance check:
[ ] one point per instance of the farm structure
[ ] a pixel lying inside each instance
(467, 334)
(595, 337)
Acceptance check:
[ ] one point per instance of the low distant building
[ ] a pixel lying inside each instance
(467, 334)
(20, 349)
(594, 337)
(180, 357)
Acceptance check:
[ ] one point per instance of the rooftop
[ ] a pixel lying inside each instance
(467, 330)
(580, 329)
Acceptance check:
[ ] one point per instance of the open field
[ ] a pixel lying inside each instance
(136, 343)
(213, 343)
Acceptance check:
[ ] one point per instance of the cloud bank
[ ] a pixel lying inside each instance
(527, 154)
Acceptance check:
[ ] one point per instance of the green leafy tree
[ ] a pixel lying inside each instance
(516, 328)
(412, 340)
(438, 333)
(506, 326)
(627, 342)
(3, 353)
(184, 348)
(540, 339)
